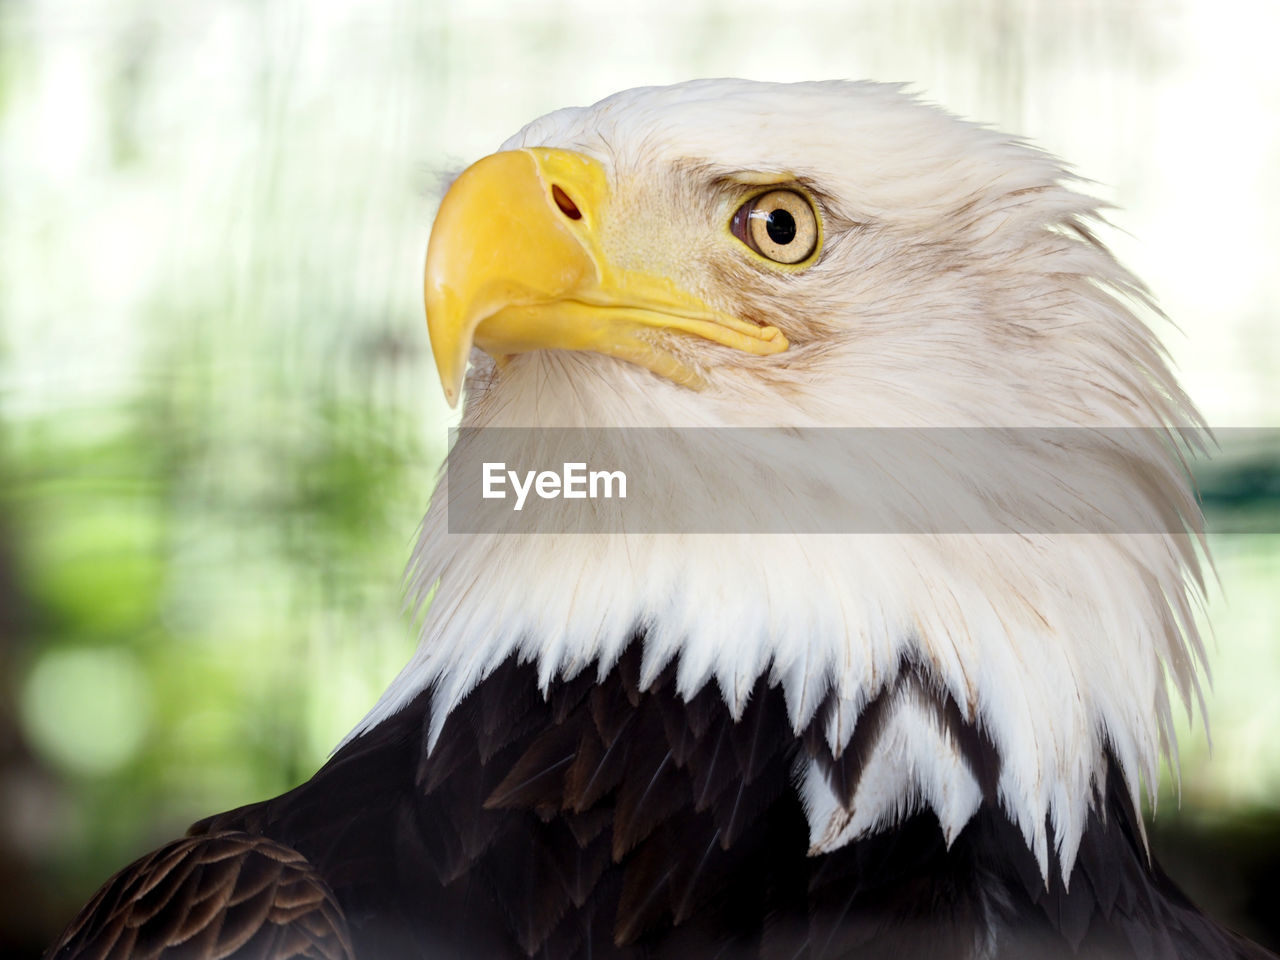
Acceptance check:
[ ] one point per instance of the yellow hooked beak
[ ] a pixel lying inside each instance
(514, 264)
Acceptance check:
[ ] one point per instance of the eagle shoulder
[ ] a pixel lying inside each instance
(227, 894)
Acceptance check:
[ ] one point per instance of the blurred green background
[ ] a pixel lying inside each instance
(218, 420)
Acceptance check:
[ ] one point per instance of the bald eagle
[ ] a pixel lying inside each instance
(757, 745)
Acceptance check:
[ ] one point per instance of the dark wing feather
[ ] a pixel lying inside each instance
(603, 821)
(228, 895)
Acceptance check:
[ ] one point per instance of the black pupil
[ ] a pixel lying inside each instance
(781, 227)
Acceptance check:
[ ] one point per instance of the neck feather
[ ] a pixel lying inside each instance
(1056, 647)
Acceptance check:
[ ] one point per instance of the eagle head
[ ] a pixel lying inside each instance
(725, 253)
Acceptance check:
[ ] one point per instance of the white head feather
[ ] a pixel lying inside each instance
(960, 286)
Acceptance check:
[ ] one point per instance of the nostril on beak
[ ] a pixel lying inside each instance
(566, 205)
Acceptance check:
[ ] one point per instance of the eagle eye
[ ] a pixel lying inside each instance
(780, 225)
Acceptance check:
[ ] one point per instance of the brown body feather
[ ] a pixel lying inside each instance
(606, 821)
(223, 894)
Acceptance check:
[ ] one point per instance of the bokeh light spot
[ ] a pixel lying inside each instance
(86, 711)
